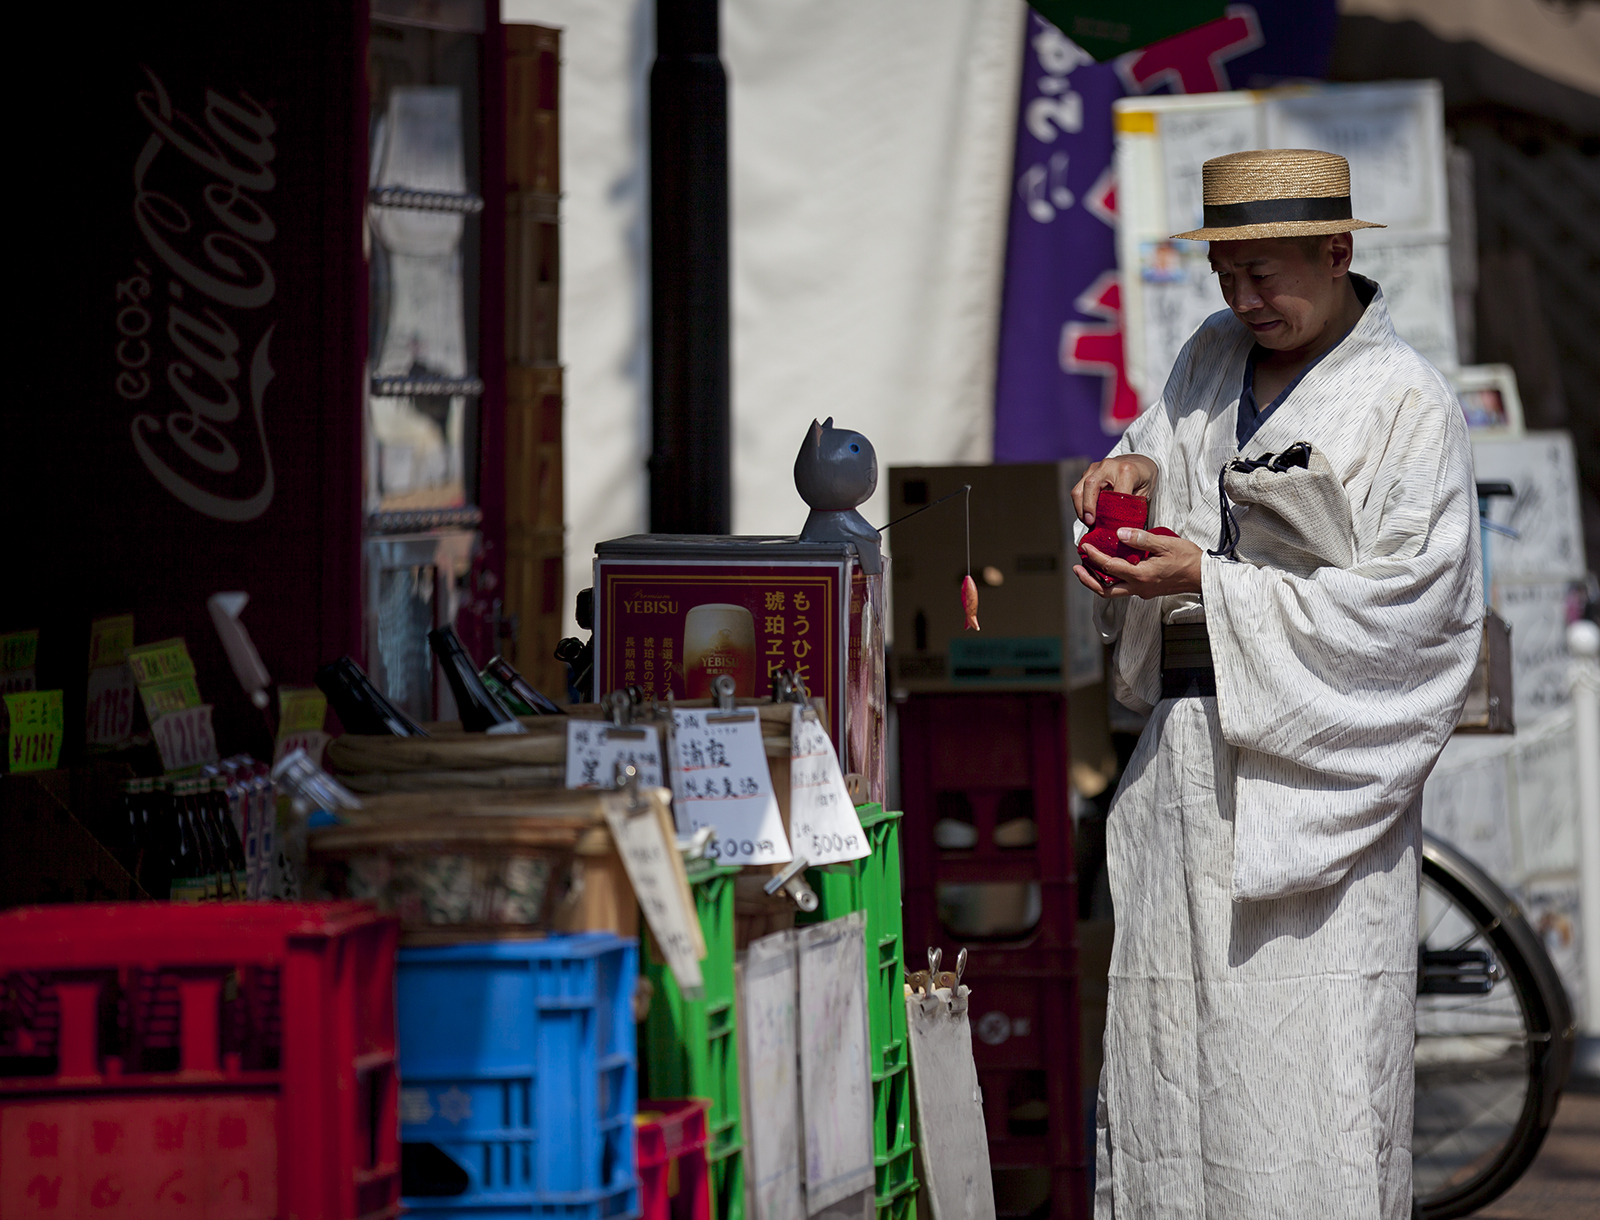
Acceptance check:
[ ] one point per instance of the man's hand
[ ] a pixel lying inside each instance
(1173, 566)
(1133, 474)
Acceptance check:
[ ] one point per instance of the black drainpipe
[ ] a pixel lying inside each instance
(691, 476)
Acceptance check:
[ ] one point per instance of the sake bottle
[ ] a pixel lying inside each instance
(193, 879)
(231, 864)
(480, 711)
(501, 671)
(361, 707)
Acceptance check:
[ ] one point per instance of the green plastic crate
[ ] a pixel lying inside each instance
(691, 1047)
(872, 885)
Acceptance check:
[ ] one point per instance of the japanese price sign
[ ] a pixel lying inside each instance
(644, 840)
(34, 740)
(301, 712)
(18, 652)
(165, 675)
(108, 720)
(822, 817)
(185, 738)
(720, 779)
(109, 640)
(594, 748)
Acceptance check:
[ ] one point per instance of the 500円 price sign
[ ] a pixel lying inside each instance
(720, 779)
(822, 817)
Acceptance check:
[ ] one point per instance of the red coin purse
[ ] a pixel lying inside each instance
(1113, 511)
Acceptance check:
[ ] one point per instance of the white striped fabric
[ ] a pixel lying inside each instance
(1262, 849)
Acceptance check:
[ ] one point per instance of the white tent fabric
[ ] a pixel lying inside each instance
(870, 151)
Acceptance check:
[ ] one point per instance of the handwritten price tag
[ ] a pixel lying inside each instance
(594, 748)
(720, 779)
(159, 661)
(313, 742)
(650, 857)
(109, 720)
(34, 739)
(301, 709)
(822, 817)
(185, 738)
(109, 640)
(19, 649)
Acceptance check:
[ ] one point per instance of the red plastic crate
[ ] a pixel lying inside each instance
(990, 754)
(231, 1061)
(680, 1132)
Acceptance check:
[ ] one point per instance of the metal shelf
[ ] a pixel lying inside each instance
(412, 387)
(426, 201)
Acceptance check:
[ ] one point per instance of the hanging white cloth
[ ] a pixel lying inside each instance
(1262, 850)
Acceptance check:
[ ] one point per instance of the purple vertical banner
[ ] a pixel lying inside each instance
(1060, 385)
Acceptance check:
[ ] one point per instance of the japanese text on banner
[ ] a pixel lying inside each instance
(720, 779)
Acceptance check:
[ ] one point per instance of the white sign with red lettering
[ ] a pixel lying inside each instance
(312, 741)
(185, 738)
(113, 694)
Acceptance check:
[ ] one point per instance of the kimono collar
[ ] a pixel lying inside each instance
(1372, 332)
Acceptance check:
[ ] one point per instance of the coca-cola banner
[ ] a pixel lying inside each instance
(195, 387)
(1061, 390)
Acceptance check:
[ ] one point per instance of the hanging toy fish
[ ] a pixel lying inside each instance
(969, 603)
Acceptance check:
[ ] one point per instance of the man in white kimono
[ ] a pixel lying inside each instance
(1263, 849)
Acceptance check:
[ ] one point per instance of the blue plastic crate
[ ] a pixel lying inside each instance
(517, 1078)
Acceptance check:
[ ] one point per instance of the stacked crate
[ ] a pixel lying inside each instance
(535, 546)
(518, 1078)
(222, 1060)
(691, 1045)
(987, 757)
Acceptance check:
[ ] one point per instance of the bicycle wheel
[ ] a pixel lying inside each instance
(1495, 1039)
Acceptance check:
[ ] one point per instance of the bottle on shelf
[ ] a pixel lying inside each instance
(193, 872)
(132, 842)
(155, 829)
(520, 695)
(480, 711)
(231, 862)
(361, 707)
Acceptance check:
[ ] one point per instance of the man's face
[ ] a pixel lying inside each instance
(1282, 292)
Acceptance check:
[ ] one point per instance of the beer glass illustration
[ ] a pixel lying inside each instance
(718, 638)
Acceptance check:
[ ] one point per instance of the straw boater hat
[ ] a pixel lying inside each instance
(1276, 192)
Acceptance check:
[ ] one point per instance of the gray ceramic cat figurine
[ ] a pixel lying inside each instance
(835, 470)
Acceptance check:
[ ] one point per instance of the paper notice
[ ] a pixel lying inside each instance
(650, 856)
(767, 1024)
(594, 748)
(108, 717)
(109, 640)
(34, 739)
(835, 1071)
(185, 738)
(823, 825)
(720, 779)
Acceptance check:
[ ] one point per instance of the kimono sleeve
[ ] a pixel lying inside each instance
(1340, 688)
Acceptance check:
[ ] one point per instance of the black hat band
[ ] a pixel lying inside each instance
(1276, 211)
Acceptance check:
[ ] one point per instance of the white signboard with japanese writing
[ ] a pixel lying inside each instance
(770, 1077)
(644, 840)
(594, 748)
(1393, 136)
(822, 817)
(720, 779)
(835, 1070)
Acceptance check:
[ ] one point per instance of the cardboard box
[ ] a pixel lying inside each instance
(1036, 632)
